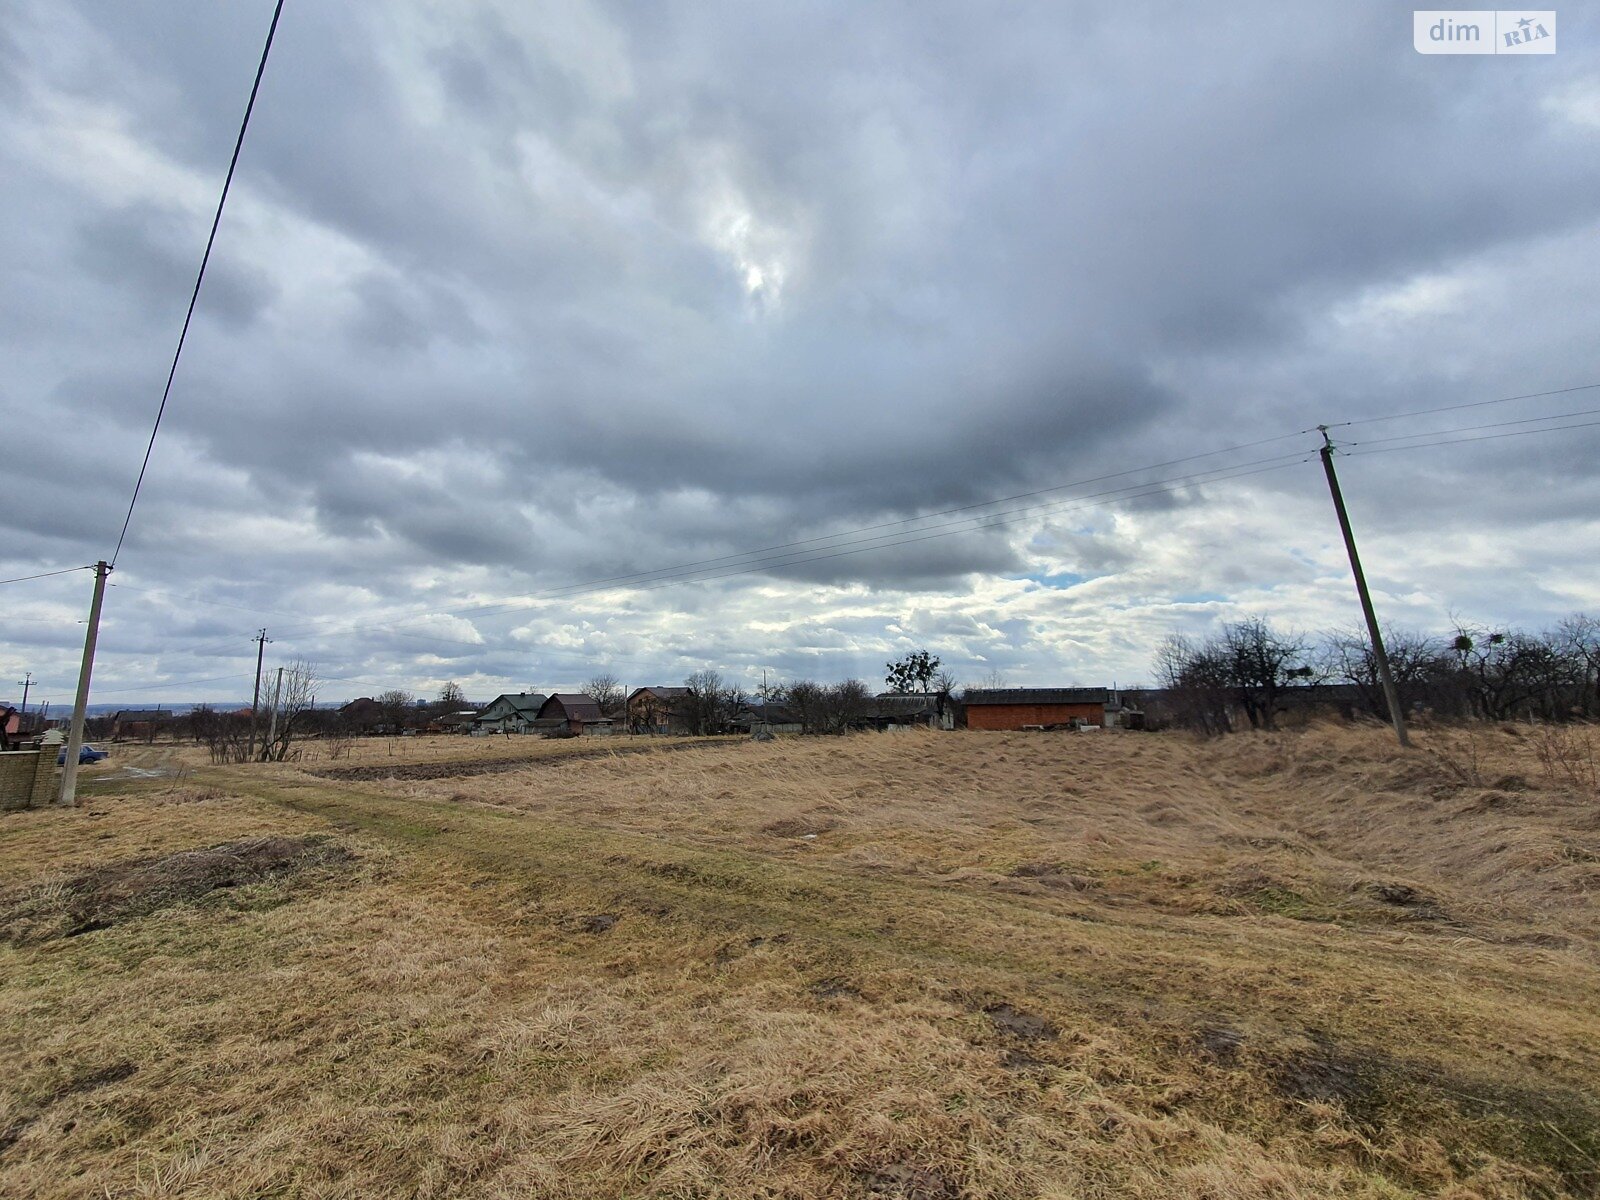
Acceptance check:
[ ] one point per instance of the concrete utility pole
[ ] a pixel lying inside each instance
(69, 775)
(26, 683)
(261, 639)
(272, 722)
(1380, 656)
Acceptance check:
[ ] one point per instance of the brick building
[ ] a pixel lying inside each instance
(1035, 708)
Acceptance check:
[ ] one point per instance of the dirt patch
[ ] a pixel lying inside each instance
(1554, 1130)
(798, 827)
(906, 1182)
(1413, 902)
(1053, 875)
(1018, 1023)
(834, 988)
(85, 1081)
(1330, 1074)
(130, 888)
(598, 923)
(89, 1081)
(1220, 1043)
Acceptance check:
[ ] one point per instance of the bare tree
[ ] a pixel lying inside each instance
(711, 703)
(808, 699)
(606, 691)
(846, 705)
(397, 707)
(1507, 673)
(944, 689)
(1262, 661)
(646, 713)
(1578, 636)
(226, 735)
(451, 698)
(296, 701)
(1198, 681)
(1417, 663)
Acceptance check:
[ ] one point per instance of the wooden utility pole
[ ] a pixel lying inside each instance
(261, 639)
(1379, 655)
(27, 684)
(272, 722)
(69, 774)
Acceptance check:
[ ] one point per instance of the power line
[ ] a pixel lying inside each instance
(47, 574)
(194, 296)
(168, 686)
(1405, 437)
(1423, 412)
(1488, 437)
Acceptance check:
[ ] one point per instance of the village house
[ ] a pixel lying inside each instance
(452, 722)
(658, 710)
(910, 710)
(1035, 708)
(568, 714)
(768, 718)
(142, 723)
(514, 712)
(361, 715)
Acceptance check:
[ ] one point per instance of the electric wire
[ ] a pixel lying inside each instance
(1423, 412)
(1488, 437)
(1403, 437)
(199, 278)
(47, 574)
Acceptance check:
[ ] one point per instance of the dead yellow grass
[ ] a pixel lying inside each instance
(927, 966)
(179, 758)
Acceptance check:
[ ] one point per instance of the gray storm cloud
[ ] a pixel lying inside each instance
(511, 297)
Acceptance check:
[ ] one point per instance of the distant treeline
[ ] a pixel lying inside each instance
(1249, 672)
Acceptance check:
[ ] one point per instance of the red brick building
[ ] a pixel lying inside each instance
(1036, 708)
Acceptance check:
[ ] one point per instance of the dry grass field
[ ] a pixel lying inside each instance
(181, 756)
(921, 966)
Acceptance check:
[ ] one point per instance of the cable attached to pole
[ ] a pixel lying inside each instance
(194, 296)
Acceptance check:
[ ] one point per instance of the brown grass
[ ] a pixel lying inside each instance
(931, 966)
(189, 755)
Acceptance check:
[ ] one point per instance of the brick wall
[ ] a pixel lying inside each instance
(1015, 716)
(30, 778)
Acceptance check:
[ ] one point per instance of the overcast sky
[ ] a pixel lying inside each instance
(510, 297)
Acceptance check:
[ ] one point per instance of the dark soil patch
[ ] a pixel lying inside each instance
(834, 988)
(1054, 875)
(906, 1182)
(1330, 1074)
(1018, 1023)
(86, 1081)
(798, 827)
(91, 1080)
(598, 923)
(1414, 903)
(122, 891)
(1035, 870)
(1014, 1059)
(1553, 1129)
(1220, 1043)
